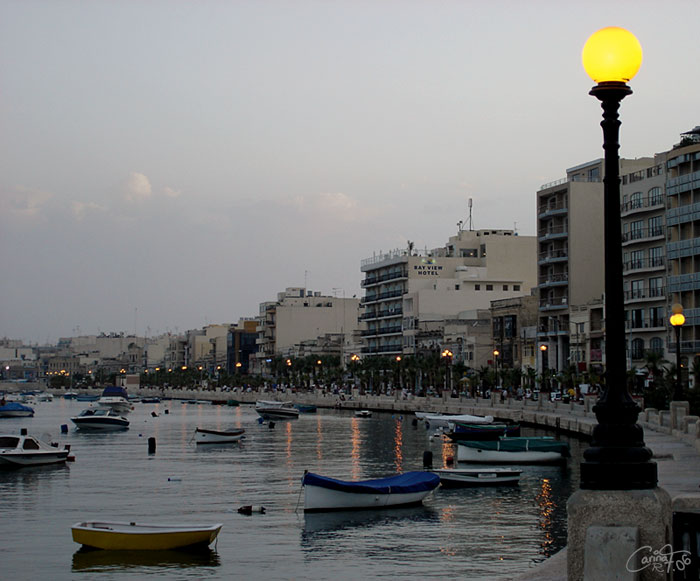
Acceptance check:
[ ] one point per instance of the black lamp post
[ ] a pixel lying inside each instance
(618, 458)
(677, 319)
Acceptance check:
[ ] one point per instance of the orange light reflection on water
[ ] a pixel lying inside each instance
(546, 510)
(398, 445)
(355, 449)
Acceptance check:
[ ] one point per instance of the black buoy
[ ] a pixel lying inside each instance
(271, 425)
(249, 509)
(427, 459)
(154, 415)
(23, 431)
(414, 422)
(64, 428)
(167, 411)
(151, 445)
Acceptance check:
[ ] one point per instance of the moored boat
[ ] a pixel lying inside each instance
(25, 450)
(535, 450)
(121, 536)
(14, 409)
(86, 397)
(306, 408)
(443, 420)
(100, 419)
(460, 477)
(276, 409)
(460, 431)
(324, 494)
(363, 414)
(207, 436)
(115, 398)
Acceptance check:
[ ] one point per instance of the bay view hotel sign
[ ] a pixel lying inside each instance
(428, 267)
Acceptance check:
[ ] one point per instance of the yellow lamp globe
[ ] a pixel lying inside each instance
(677, 319)
(612, 54)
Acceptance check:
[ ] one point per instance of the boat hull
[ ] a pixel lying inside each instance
(100, 425)
(482, 455)
(36, 459)
(456, 477)
(142, 537)
(203, 436)
(320, 496)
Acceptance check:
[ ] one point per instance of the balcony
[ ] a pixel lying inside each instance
(561, 279)
(552, 303)
(642, 235)
(644, 294)
(646, 264)
(549, 210)
(382, 296)
(553, 233)
(641, 206)
(372, 280)
(553, 256)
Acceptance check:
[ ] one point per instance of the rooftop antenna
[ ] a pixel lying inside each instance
(471, 225)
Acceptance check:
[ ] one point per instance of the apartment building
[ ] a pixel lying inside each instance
(300, 315)
(570, 258)
(642, 210)
(409, 293)
(683, 235)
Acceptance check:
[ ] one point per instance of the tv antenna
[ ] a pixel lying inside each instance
(471, 225)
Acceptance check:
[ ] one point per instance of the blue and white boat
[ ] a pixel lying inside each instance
(25, 450)
(14, 409)
(324, 494)
(535, 450)
(115, 398)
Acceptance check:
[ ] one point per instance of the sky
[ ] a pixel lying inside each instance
(169, 164)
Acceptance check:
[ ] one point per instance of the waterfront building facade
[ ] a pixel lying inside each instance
(683, 233)
(409, 292)
(300, 315)
(514, 324)
(642, 211)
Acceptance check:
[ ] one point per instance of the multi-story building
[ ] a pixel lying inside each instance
(241, 344)
(300, 315)
(642, 210)
(409, 291)
(514, 330)
(683, 234)
(570, 258)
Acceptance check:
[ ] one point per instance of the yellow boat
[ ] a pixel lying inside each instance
(120, 536)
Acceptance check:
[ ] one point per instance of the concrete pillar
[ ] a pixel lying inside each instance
(648, 511)
(679, 409)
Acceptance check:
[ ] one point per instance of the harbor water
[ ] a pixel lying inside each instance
(475, 533)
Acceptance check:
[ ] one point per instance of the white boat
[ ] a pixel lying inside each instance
(535, 450)
(25, 450)
(276, 409)
(363, 414)
(324, 494)
(100, 419)
(122, 536)
(115, 398)
(206, 436)
(443, 420)
(457, 477)
(14, 409)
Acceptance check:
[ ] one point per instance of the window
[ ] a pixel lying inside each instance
(637, 348)
(456, 287)
(656, 288)
(636, 229)
(469, 252)
(655, 197)
(516, 287)
(655, 226)
(656, 317)
(505, 287)
(636, 259)
(656, 345)
(636, 318)
(489, 287)
(477, 287)
(636, 200)
(656, 256)
(636, 289)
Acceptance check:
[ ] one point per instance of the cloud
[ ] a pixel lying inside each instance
(333, 206)
(137, 187)
(171, 192)
(82, 209)
(24, 202)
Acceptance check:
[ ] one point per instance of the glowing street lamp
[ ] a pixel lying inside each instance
(677, 320)
(447, 356)
(618, 458)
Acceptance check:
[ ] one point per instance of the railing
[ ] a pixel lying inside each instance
(553, 255)
(644, 293)
(641, 233)
(554, 278)
(644, 263)
(645, 204)
(370, 280)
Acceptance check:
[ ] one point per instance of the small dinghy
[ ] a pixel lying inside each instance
(323, 494)
(461, 477)
(121, 536)
(206, 436)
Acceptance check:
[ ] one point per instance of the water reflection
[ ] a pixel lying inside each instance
(546, 505)
(324, 522)
(398, 446)
(355, 449)
(101, 561)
